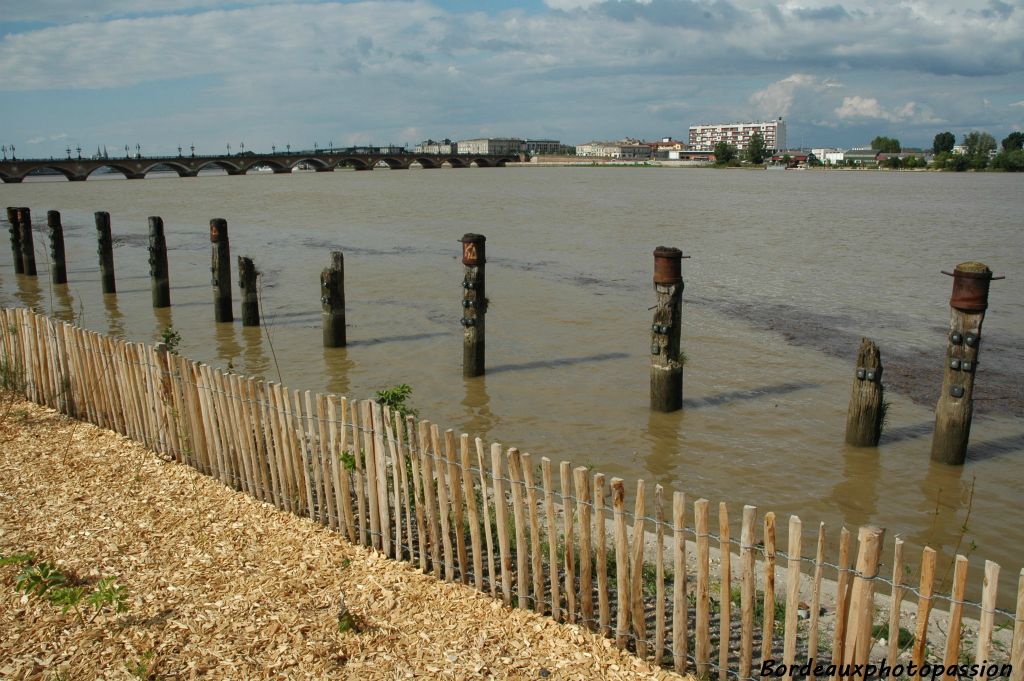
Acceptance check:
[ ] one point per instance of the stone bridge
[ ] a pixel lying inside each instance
(136, 168)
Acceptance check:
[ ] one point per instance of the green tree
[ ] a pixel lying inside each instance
(1014, 141)
(724, 153)
(944, 142)
(1010, 161)
(978, 145)
(889, 145)
(756, 149)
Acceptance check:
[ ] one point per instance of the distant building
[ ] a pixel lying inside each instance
(491, 145)
(861, 156)
(691, 156)
(705, 137)
(829, 156)
(543, 147)
(444, 147)
(627, 149)
(662, 147)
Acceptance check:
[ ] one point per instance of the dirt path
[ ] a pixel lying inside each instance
(222, 586)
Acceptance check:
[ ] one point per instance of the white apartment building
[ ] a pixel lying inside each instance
(705, 137)
(491, 145)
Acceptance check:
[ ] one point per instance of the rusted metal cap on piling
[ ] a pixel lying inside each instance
(668, 269)
(970, 286)
(218, 230)
(473, 249)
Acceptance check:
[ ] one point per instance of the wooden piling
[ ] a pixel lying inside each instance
(15, 232)
(955, 408)
(106, 252)
(220, 267)
(58, 266)
(474, 304)
(250, 299)
(666, 361)
(332, 299)
(864, 417)
(28, 251)
(158, 271)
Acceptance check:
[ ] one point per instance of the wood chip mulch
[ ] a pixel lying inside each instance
(222, 586)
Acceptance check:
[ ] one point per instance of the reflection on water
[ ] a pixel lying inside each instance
(856, 491)
(115, 319)
(29, 292)
(338, 366)
(478, 419)
(228, 348)
(65, 304)
(254, 359)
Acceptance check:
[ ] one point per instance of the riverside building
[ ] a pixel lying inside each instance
(705, 137)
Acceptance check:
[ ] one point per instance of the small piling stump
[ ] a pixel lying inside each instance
(15, 232)
(474, 304)
(955, 407)
(864, 417)
(332, 299)
(666, 361)
(106, 252)
(220, 267)
(250, 299)
(158, 271)
(58, 266)
(28, 249)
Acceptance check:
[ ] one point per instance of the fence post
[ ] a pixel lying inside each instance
(58, 267)
(105, 248)
(28, 251)
(666, 364)
(332, 298)
(250, 301)
(955, 408)
(474, 304)
(861, 607)
(15, 232)
(158, 271)
(864, 416)
(220, 266)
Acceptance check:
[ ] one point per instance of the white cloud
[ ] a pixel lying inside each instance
(777, 98)
(868, 108)
(39, 139)
(1020, 103)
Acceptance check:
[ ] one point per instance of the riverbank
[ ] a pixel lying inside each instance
(218, 584)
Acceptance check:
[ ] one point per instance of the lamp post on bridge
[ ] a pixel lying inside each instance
(241, 146)
(179, 151)
(138, 150)
(127, 154)
(79, 150)
(193, 148)
(314, 148)
(3, 149)
(68, 150)
(229, 148)
(13, 157)
(289, 146)
(273, 149)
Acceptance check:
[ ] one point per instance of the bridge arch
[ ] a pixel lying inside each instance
(393, 163)
(426, 162)
(230, 168)
(43, 168)
(354, 162)
(455, 162)
(480, 162)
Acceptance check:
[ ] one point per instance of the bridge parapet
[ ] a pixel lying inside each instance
(78, 170)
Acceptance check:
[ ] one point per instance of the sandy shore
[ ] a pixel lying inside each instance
(220, 585)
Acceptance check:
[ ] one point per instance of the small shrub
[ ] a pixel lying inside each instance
(171, 338)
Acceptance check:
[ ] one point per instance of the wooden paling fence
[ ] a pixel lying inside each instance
(494, 518)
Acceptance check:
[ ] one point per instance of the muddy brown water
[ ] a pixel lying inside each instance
(789, 269)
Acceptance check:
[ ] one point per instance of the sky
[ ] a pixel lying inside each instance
(164, 73)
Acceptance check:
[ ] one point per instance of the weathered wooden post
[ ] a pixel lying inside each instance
(220, 266)
(250, 299)
(332, 298)
(106, 252)
(158, 271)
(956, 403)
(28, 249)
(474, 304)
(15, 232)
(58, 267)
(666, 362)
(864, 417)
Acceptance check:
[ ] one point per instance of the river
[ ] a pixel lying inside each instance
(788, 271)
